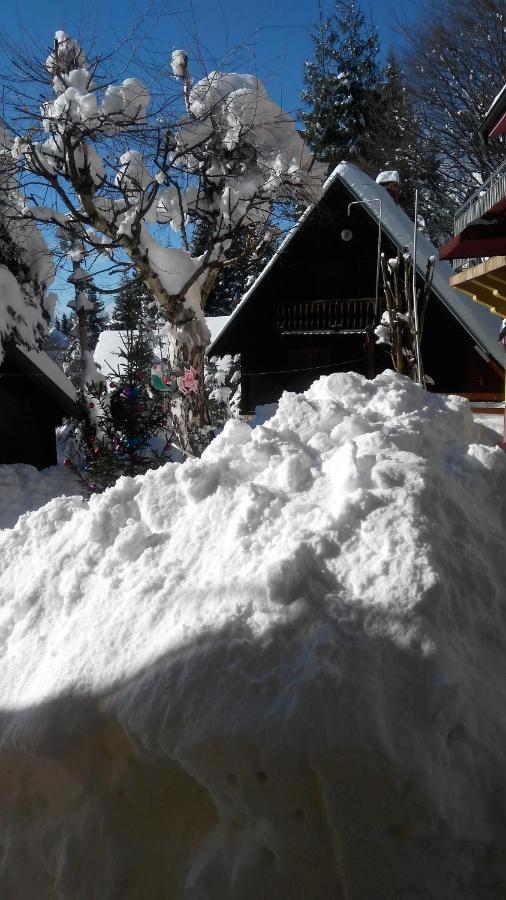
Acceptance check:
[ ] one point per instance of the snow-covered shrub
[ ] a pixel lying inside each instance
(223, 388)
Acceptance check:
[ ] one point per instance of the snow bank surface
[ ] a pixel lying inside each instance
(23, 489)
(276, 672)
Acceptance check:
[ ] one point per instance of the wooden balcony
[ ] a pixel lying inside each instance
(485, 283)
(328, 316)
(491, 193)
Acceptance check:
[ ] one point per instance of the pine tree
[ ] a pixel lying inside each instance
(97, 317)
(134, 303)
(341, 84)
(71, 359)
(397, 142)
(64, 324)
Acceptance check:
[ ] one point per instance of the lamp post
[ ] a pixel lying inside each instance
(378, 254)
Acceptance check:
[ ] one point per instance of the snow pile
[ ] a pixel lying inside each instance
(24, 488)
(388, 177)
(278, 671)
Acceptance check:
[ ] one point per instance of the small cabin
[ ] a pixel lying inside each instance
(35, 397)
(313, 309)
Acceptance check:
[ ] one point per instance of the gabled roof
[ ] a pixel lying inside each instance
(481, 324)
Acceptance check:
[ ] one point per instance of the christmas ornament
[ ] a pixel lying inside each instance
(188, 383)
(163, 379)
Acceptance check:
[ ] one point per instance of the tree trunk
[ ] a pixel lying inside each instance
(190, 412)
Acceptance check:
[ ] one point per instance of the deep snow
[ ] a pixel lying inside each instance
(23, 489)
(277, 671)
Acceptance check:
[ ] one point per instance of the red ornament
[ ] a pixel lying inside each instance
(112, 386)
(97, 450)
(66, 461)
(91, 405)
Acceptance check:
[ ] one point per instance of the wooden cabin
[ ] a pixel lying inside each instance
(313, 309)
(35, 396)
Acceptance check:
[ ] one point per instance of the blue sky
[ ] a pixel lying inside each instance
(272, 37)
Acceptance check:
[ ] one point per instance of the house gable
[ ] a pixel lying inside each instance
(315, 268)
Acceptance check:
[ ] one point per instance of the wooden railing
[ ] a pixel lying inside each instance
(492, 191)
(327, 316)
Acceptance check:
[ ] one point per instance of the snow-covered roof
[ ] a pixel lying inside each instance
(110, 344)
(494, 112)
(107, 352)
(39, 360)
(216, 324)
(481, 324)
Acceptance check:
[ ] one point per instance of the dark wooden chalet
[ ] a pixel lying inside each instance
(35, 396)
(313, 309)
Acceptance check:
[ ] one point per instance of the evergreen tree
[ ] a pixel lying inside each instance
(134, 303)
(397, 142)
(64, 324)
(27, 324)
(234, 279)
(71, 358)
(97, 317)
(341, 84)
(11, 254)
(124, 424)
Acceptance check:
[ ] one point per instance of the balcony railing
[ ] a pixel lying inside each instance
(492, 191)
(327, 316)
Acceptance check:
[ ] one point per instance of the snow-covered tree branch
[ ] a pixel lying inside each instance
(117, 168)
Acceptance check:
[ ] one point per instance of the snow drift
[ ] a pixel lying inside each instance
(276, 672)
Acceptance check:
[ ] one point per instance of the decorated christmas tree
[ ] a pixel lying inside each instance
(124, 427)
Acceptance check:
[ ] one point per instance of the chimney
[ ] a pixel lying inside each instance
(391, 180)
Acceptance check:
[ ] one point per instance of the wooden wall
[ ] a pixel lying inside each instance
(318, 264)
(28, 417)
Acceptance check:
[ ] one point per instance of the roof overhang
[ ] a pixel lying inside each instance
(27, 361)
(484, 236)
(485, 283)
(468, 247)
(494, 122)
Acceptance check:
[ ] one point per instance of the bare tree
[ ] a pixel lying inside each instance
(116, 165)
(402, 324)
(455, 62)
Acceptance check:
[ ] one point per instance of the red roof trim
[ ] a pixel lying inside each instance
(461, 247)
(499, 127)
